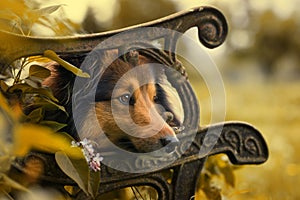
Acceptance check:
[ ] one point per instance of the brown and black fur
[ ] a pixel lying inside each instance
(149, 99)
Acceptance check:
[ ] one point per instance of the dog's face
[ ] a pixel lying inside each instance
(136, 108)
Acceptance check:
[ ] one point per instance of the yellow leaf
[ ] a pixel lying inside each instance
(28, 137)
(52, 55)
(8, 110)
(39, 71)
(3, 85)
(39, 59)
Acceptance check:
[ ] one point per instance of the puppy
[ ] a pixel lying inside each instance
(135, 107)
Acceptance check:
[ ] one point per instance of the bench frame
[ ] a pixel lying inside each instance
(240, 141)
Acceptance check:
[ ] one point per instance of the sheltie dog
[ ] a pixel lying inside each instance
(136, 107)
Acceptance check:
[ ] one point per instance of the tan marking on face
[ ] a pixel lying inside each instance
(141, 112)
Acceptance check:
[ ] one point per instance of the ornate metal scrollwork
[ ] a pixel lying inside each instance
(251, 145)
(241, 142)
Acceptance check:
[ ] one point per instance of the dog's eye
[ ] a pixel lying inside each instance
(155, 98)
(125, 99)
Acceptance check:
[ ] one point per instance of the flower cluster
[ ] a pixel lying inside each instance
(89, 153)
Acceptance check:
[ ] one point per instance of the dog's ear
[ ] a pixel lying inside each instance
(59, 81)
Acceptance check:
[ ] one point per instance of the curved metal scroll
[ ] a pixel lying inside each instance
(240, 141)
(212, 31)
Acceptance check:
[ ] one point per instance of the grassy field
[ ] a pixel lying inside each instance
(273, 108)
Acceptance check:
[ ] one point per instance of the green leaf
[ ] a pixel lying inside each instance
(32, 83)
(36, 115)
(94, 181)
(55, 126)
(48, 105)
(39, 71)
(27, 89)
(77, 170)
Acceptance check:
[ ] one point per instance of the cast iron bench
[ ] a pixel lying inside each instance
(242, 143)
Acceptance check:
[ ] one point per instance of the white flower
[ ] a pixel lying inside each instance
(95, 163)
(85, 142)
(93, 160)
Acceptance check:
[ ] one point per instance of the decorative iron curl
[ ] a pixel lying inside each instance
(211, 24)
(213, 28)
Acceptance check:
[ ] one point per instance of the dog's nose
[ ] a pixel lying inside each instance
(169, 143)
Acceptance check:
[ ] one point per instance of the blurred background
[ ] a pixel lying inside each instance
(259, 64)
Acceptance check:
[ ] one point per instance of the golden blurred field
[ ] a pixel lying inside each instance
(273, 108)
